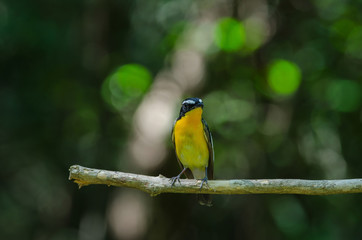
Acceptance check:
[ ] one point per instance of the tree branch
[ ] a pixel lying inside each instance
(155, 185)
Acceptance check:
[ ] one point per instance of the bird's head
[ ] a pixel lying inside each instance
(189, 104)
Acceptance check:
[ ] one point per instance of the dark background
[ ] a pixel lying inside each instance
(99, 83)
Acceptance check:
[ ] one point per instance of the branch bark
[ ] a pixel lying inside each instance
(155, 185)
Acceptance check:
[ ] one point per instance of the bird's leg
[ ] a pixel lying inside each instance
(204, 180)
(173, 179)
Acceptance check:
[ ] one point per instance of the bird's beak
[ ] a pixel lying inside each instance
(199, 105)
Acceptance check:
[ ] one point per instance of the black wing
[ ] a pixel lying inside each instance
(210, 145)
(188, 172)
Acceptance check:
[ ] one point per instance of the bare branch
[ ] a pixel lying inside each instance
(155, 185)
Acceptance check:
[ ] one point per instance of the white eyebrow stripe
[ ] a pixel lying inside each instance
(189, 102)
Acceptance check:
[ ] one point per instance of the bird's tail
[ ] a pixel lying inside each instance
(204, 199)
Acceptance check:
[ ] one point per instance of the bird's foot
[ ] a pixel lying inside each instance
(174, 179)
(204, 180)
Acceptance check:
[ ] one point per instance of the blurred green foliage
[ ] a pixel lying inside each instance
(127, 84)
(344, 95)
(282, 91)
(284, 77)
(229, 34)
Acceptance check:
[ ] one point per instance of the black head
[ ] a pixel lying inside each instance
(190, 103)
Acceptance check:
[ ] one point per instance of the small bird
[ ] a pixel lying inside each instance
(193, 145)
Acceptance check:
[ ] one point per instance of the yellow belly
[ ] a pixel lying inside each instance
(191, 146)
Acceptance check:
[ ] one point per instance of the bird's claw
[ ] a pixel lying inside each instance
(204, 180)
(174, 179)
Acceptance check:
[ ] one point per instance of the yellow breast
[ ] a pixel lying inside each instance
(191, 146)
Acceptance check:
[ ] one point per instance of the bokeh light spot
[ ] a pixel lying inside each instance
(344, 95)
(129, 82)
(133, 79)
(284, 77)
(229, 34)
(256, 33)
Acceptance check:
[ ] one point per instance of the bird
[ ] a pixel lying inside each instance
(193, 145)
